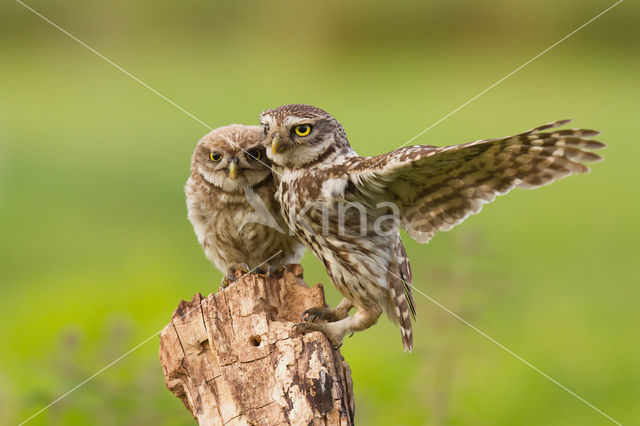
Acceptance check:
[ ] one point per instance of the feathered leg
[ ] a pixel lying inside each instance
(330, 315)
(365, 317)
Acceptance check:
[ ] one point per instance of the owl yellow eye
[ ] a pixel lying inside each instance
(214, 156)
(302, 129)
(254, 154)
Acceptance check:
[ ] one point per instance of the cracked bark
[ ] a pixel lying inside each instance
(233, 358)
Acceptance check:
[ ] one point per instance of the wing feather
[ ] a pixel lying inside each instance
(435, 188)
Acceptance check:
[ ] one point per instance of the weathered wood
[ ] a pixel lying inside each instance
(234, 359)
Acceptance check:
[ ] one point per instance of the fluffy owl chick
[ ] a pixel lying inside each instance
(230, 199)
(347, 209)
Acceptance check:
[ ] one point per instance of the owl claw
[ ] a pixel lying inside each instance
(226, 281)
(233, 269)
(232, 273)
(329, 315)
(312, 314)
(305, 327)
(276, 271)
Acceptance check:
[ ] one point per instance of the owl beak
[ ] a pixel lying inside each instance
(233, 168)
(276, 144)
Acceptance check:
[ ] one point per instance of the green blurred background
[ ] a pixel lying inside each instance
(96, 251)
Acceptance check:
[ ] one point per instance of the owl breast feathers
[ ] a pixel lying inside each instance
(231, 205)
(427, 189)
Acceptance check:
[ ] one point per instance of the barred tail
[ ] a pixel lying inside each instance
(400, 304)
(399, 312)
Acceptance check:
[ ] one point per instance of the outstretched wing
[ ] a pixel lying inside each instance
(437, 188)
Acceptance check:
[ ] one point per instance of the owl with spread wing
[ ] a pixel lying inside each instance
(347, 209)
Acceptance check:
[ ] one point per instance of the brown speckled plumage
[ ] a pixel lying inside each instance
(222, 217)
(432, 189)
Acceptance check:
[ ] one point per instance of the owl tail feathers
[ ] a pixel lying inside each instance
(398, 310)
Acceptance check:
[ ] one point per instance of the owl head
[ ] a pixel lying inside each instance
(232, 157)
(300, 135)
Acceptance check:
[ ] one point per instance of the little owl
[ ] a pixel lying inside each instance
(230, 199)
(339, 203)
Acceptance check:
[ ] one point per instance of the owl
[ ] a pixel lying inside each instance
(347, 209)
(231, 205)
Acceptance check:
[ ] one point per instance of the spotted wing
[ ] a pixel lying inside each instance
(435, 188)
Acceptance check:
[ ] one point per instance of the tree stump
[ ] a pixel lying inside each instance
(234, 359)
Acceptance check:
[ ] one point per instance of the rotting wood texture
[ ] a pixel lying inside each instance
(234, 359)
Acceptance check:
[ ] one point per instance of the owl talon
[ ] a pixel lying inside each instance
(329, 315)
(276, 271)
(232, 274)
(312, 314)
(245, 269)
(226, 281)
(306, 327)
(236, 269)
